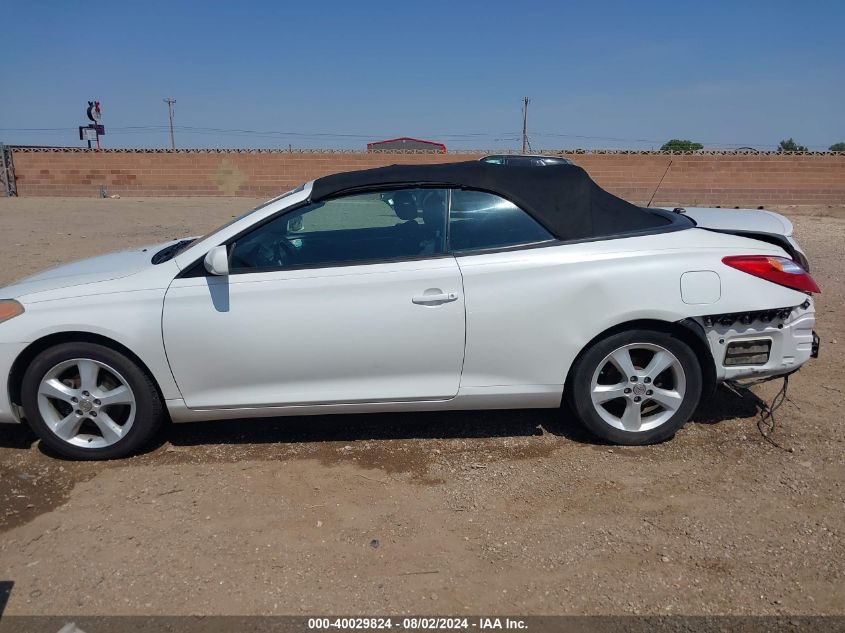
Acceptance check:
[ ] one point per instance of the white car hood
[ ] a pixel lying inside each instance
(748, 220)
(86, 271)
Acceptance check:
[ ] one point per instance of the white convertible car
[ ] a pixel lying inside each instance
(431, 287)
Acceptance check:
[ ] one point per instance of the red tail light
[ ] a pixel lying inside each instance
(778, 270)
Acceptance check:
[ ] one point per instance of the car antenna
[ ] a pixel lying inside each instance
(650, 200)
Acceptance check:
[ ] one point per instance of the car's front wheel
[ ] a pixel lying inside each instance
(636, 387)
(88, 401)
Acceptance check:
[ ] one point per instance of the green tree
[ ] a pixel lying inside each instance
(789, 145)
(837, 147)
(678, 145)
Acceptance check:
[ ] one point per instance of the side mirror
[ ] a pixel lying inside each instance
(217, 261)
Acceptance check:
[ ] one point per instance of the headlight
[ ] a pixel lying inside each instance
(9, 308)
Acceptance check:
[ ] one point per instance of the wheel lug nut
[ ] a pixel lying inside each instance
(93, 414)
(637, 398)
(646, 379)
(86, 394)
(649, 392)
(633, 379)
(74, 399)
(78, 412)
(97, 402)
(627, 390)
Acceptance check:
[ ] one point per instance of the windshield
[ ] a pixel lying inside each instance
(171, 251)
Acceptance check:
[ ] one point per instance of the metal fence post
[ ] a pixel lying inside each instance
(7, 171)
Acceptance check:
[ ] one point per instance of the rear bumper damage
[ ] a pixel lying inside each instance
(762, 343)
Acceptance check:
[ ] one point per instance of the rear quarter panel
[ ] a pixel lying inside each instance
(530, 312)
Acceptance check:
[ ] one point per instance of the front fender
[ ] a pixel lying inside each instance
(132, 319)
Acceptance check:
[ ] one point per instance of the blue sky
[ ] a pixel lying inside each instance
(337, 74)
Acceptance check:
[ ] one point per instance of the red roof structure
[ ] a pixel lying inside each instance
(408, 143)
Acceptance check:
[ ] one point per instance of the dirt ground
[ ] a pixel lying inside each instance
(515, 512)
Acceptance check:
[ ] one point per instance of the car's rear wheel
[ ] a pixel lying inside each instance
(88, 401)
(636, 387)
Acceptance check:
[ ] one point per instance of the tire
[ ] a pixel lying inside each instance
(641, 402)
(89, 402)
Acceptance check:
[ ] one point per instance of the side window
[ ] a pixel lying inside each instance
(364, 227)
(480, 221)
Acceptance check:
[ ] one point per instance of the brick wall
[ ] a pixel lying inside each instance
(726, 179)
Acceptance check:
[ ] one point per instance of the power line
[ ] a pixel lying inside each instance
(208, 131)
(446, 136)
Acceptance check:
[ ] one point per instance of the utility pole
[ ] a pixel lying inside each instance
(170, 103)
(525, 102)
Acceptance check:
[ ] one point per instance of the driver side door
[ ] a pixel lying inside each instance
(341, 302)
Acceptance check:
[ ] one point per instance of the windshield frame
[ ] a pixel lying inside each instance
(240, 217)
(190, 252)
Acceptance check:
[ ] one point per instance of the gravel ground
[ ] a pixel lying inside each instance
(487, 512)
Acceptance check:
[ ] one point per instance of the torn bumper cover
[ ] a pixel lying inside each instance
(762, 343)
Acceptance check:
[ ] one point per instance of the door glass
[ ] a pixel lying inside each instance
(480, 220)
(365, 227)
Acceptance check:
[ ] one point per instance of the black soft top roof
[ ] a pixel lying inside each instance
(563, 198)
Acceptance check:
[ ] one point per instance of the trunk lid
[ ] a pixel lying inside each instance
(759, 224)
(748, 220)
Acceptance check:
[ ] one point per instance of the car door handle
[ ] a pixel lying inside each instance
(434, 298)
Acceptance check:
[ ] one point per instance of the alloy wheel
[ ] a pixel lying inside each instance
(638, 387)
(86, 403)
